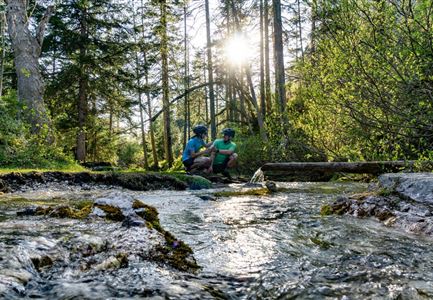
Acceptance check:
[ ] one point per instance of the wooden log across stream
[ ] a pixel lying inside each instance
(371, 167)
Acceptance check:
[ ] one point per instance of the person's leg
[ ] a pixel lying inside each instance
(201, 163)
(188, 163)
(232, 160)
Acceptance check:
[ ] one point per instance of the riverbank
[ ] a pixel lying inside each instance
(138, 181)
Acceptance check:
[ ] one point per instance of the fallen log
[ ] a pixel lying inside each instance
(370, 167)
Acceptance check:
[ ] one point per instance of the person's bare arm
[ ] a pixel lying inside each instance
(226, 152)
(212, 157)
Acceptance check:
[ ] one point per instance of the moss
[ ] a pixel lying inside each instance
(362, 196)
(252, 192)
(175, 252)
(20, 202)
(385, 192)
(62, 211)
(326, 210)
(321, 243)
(215, 293)
(149, 214)
(82, 204)
(194, 182)
(112, 212)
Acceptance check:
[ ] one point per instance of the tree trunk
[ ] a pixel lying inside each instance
(300, 29)
(267, 57)
(149, 113)
(140, 102)
(262, 64)
(261, 124)
(149, 104)
(313, 26)
(280, 89)
(143, 133)
(165, 84)
(82, 91)
(27, 49)
(210, 74)
(206, 98)
(3, 50)
(371, 167)
(186, 79)
(250, 84)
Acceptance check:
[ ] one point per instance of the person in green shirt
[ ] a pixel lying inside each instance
(223, 155)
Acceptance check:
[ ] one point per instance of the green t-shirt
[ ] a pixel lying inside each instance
(220, 145)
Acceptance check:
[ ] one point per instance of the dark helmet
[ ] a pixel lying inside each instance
(228, 132)
(199, 129)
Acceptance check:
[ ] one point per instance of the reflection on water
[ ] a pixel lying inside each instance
(267, 247)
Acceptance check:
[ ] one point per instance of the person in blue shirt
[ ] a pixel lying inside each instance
(192, 157)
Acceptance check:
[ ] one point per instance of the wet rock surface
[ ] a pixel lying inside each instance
(14, 182)
(67, 242)
(415, 186)
(403, 201)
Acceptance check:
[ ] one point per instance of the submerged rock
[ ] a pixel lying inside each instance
(271, 186)
(4, 188)
(401, 200)
(130, 213)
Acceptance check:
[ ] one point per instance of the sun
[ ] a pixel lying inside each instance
(237, 50)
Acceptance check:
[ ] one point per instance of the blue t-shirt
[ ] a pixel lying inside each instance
(193, 145)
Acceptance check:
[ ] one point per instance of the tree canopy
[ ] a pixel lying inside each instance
(124, 81)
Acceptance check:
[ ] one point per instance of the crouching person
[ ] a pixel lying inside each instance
(223, 153)
(192, 158)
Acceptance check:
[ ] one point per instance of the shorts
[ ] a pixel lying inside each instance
(188, 163)
(219, 168)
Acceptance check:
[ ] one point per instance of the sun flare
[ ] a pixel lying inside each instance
(237, 50)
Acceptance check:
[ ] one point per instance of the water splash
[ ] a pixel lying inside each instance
(258, 176)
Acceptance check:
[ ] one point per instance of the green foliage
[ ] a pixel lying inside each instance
(366, 91)
(129, 154)
(20, 148)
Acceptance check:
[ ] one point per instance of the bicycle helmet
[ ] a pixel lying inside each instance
(199, 129)
(228, 132)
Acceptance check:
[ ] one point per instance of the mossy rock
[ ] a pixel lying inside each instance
(149, 214)
(62, 211)
(195, 182)
(252, 192)
(112, 213)
(326, 210)
(175, 252)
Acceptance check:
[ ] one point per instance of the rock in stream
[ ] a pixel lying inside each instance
(402, 200)
(73, 242)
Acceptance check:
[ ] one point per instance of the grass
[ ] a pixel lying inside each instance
(72, 168)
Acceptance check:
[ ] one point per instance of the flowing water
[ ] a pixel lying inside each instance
(249, 247)
(258, 176)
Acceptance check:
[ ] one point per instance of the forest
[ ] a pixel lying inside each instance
(124, 81)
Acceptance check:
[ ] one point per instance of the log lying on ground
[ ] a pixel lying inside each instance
(370, 167)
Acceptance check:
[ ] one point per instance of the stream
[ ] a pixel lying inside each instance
(275, 246)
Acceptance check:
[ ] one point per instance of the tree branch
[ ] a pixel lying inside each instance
(181, 96)
(40, 31)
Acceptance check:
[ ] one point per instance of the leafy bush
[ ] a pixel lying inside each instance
(20, 148)
(129, 154)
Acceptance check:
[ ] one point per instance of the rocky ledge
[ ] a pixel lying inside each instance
(402, 200)
(13, 182)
